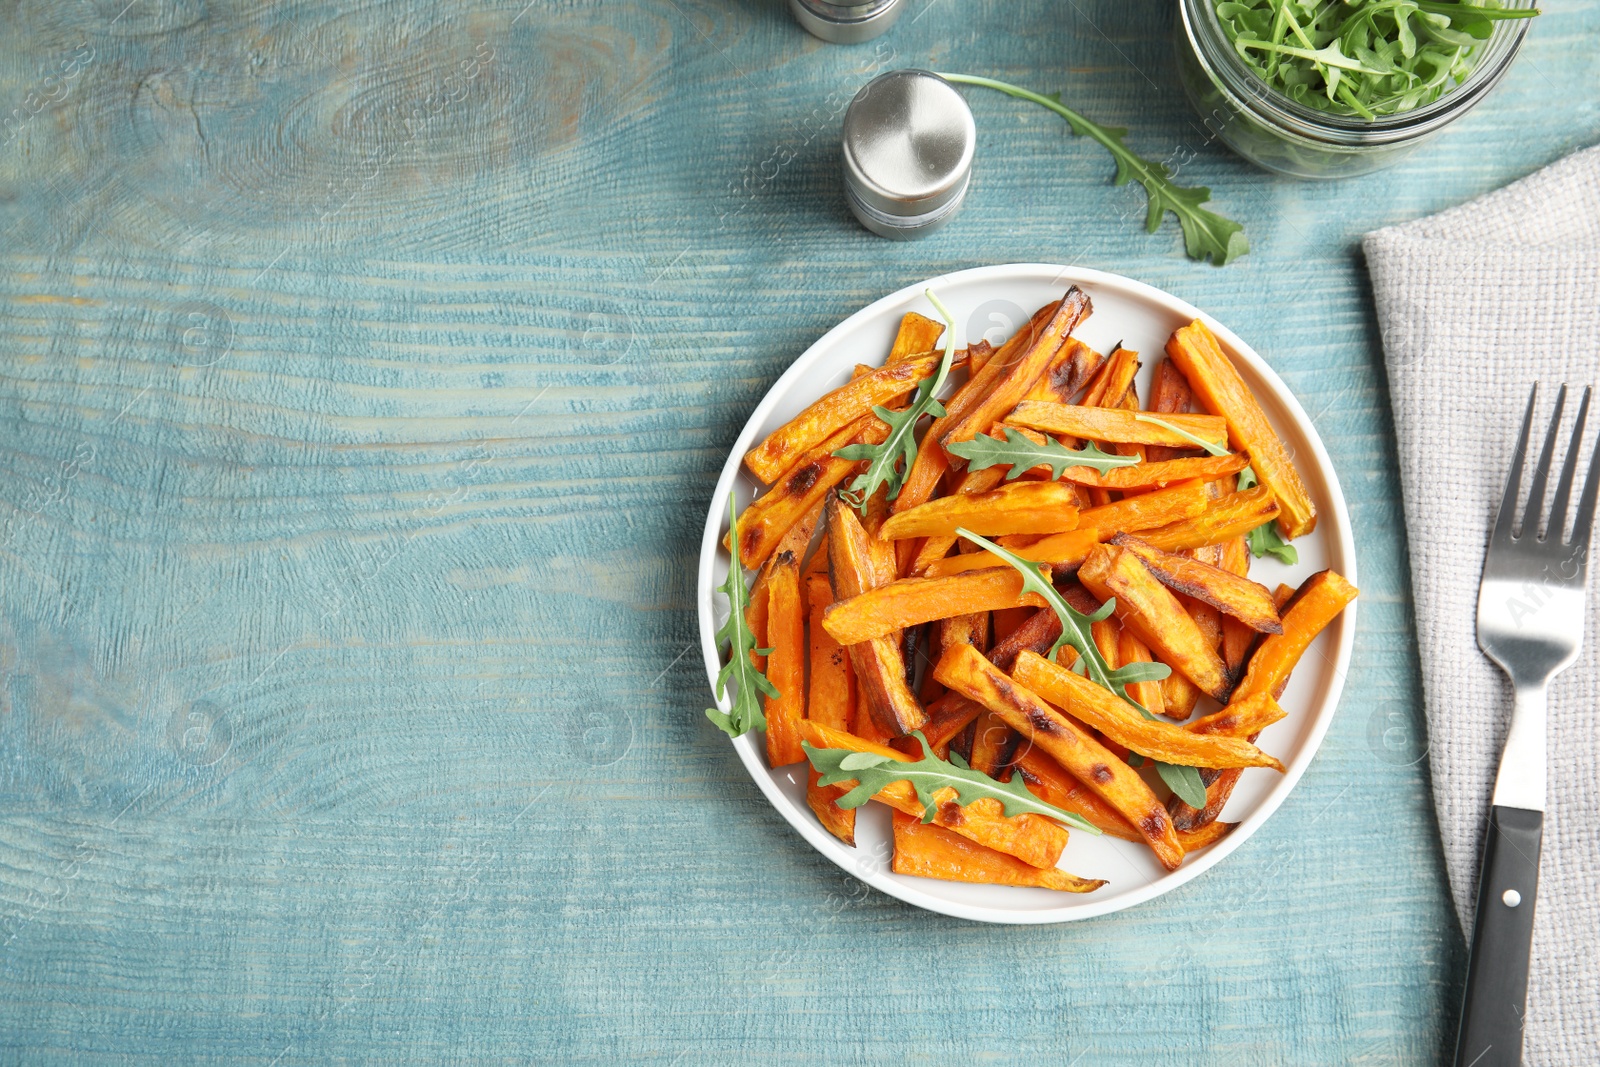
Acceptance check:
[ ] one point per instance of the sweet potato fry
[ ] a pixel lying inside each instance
(913, 601)
(766, 519)
(1243, 718)
(1021, 507)
(1132, 650)
(917, 334)
(1031, 838)
(978, 356)
(1152, 510)
(786, 666)
(1318, 602)
(929, 851)
(1249, 602)
(1047, 780)
(1157, 475)
(880, 666)
(1037, 634)
(840, 822)
(1170, 395)
(1113, 424)
(1121, 722)
(1233, 516)
(936, 548)
(968, 673)
(1219, 388)
(1062, 551)
(922, 480)
(947, 717)
(831, 699)
(1148, 608)
(854, 400)
(993, 744)
(1073, 364)
(1210, 834)
(1012, 382)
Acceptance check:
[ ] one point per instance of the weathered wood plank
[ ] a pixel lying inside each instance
(363, 373)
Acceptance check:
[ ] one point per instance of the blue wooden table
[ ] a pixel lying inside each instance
(364, 372)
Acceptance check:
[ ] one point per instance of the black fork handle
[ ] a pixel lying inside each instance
(1502, 941)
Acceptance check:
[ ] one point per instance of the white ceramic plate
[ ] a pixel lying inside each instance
(994, 302)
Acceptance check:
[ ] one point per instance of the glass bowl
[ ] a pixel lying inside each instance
(1273, 131)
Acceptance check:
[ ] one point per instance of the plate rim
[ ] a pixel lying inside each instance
(752, 756)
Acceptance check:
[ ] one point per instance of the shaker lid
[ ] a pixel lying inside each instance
(908, 143)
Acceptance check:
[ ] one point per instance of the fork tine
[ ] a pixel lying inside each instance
(1558, 507)
(1591, 486)
(1508, 503)
(1541, 473)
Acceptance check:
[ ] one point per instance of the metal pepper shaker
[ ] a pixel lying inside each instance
(846, 23)
(908, 144)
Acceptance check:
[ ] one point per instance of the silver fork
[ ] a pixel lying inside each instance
(1530, 622)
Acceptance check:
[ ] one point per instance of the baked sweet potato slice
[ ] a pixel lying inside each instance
(1114, 424)
(879, 664)
(786, 664)
(1152, 510)
(913, 601)
(1013, 381)
(1049, 781)
(993, 744)
(1219, 388)
(1249, 602)
(827, 416)
(1233, 516)
(929, 851)
(1317, 603)
(1170, 395)
(1120, 721)
(1038, 633)
(917, 334)
(1070, 368)
(947, 717)
(968, 673)
(1210, 834)
(1246, 717)
(937, 547)
(1150, 610)
(1020, 507)
(978, 356)
(1148, 694)
(1142, 476)
(822, 800)
(1031, 838)
(923, 479)
(831, 695)
(769, 516)
(1062, 551)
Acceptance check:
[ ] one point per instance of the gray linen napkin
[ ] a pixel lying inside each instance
(1475, 305)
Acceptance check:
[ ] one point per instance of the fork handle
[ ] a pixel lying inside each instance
(1502, 941)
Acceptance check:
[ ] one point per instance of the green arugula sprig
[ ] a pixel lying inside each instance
(1265, 540)
(744, 713)
(1184, 781)
(873, 771)
(1199, 442)
(1205, 233)
(1023, 454)
(890, 462)
(1075, 628)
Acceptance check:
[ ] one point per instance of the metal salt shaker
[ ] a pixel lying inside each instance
(846, 23)
(908, 144)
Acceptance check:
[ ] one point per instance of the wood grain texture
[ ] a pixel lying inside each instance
(363, 373)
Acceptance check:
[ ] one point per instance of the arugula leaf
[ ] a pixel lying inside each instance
(1199, 442)
(1205, 233)
(1265, 540)
(873, 771)
(1185, 782)
(1075, 629)
(744, 713)
(1022, 454)
(890, 462)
